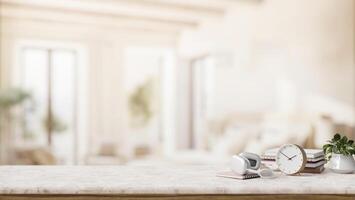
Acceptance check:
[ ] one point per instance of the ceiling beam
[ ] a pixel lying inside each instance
(185, 6)
(89, 19)
(212, 5)
(145, 10)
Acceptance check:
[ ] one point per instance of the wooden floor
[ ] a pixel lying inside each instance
(182, 197)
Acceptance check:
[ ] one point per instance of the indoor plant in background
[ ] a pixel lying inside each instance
(10, 99)
(339, 153)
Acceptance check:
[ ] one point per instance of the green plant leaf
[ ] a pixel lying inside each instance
(328, 156)
(326, 147)
(344, 140)
(328, 150)
(336, 137)
(339, 145)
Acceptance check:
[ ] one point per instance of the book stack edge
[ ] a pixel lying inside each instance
(315, 160)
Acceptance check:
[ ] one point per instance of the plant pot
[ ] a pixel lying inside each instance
(342, 164)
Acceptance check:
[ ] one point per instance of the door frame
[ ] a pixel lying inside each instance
(81, 86)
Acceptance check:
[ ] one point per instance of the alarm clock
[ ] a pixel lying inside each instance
(291, 159)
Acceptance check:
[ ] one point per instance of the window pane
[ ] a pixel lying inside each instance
(142, 78)
(63, 107)
(35, 63)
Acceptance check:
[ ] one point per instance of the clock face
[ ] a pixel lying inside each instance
(291, 159)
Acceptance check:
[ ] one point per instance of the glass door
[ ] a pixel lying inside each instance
(50, 76)
(203, 80)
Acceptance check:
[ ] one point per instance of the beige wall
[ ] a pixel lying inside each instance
(309, 44)
(104, 47)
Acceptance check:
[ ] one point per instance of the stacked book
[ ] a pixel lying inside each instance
(315, 160)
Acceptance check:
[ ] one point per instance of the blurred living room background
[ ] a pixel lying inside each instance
(114, 82)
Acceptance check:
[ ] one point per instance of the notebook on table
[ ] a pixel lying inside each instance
(230, 174)
(316, 170)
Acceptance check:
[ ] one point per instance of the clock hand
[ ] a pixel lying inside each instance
(292, 157)
(284, 155)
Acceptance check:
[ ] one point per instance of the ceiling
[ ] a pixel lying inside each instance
(169, 15)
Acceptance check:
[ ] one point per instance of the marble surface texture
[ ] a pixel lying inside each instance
(126, 180)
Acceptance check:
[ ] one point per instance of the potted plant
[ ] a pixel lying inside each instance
(339, 153)
(10, 99)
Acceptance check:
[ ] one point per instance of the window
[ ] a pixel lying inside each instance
(203, 94)
(149, 87)
(50, 75)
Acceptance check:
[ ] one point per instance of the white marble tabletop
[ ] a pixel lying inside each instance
(126, 180)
